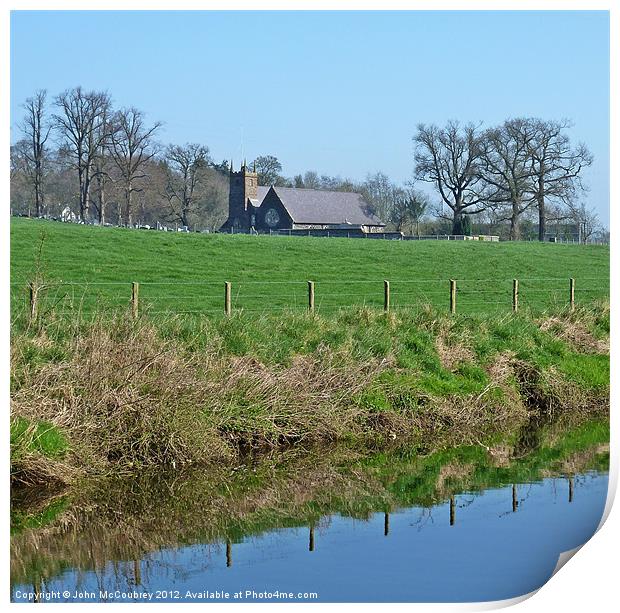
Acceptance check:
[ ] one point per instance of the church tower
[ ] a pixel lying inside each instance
(243, 185)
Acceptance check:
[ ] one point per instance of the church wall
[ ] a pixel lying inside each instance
(271, 201)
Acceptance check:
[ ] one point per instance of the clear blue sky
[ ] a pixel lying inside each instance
(336, 92)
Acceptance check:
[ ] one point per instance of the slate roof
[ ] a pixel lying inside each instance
(323, 207)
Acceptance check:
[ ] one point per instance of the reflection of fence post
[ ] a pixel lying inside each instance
(571, 295)
(452, 509)
(135, 288)
(452, 296)
(36, 590)
(311, 539)
(515, 295)
(386, 524)
(311, 296)
(227, 297)
(32, 300)
(386, 296)
(137, 574)
(228, 554)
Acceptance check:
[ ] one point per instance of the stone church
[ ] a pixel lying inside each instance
(258, 208)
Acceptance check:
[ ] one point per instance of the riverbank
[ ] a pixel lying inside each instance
(116, 395)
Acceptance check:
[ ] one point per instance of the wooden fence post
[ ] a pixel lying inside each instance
(135, 289)
(571, 297)
(32, 300)
(386, 524)
(386, 296)
(311, 296)
(452, 510)
(227, 307)
(311, 539)
(452, 296)
(515, 295)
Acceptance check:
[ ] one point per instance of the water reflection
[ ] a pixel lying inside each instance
(449, 526)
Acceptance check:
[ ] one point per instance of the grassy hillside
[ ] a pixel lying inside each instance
(185, 272)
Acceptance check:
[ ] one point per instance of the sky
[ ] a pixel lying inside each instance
(340, 92)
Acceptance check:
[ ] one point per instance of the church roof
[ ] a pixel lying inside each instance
(323, 207)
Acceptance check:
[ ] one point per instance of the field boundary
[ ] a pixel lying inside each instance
(225, 297)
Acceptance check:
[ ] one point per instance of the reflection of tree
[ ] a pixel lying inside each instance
(116, 527)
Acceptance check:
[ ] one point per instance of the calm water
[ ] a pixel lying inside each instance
(494, 543)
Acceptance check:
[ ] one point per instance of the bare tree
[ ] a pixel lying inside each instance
(337, 184)
(312, 180)
(268, 169)
(409, 208)
(16, 161)
(507, 171)
(186, 175)
(309, 180)
(215, 196)
(556, 168)
(381, 194)
(132, 147)
(449, 158)
(36, 130)
(586, 220)
(80, 124)
(20, 193)
(102, 167)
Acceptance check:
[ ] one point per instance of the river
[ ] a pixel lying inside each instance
(466, 524)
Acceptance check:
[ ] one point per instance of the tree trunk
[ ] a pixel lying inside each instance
(41, 197)
(86, 199)
(37, 201)
(542, 221)
(128, 204)
(515, 229)
(542, 213)
(82, 181)
(101, 198)
(38, 196)
(457, 223)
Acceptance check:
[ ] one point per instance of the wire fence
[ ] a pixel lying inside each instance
(161, 298)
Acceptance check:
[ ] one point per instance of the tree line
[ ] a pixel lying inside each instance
(106, 165)
(521, 175)
(525, 164)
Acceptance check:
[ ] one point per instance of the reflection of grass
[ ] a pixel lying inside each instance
(126, 519)
(24, 521)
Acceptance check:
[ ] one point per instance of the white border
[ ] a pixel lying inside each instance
(589, 579)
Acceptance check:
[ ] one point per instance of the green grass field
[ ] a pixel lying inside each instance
(90, 269)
